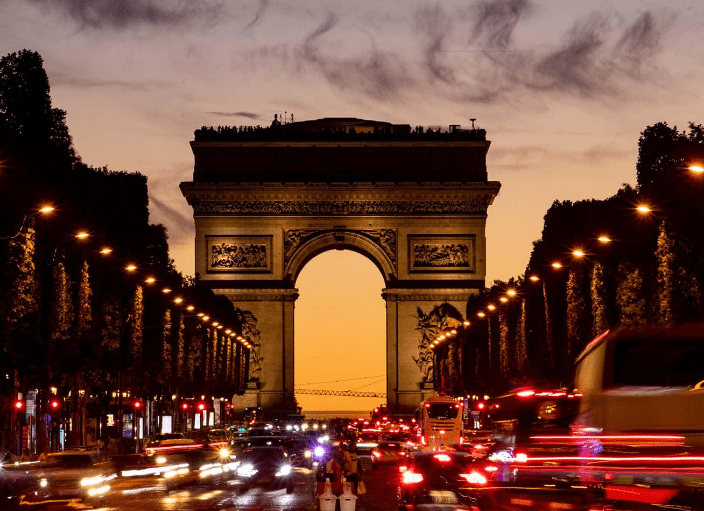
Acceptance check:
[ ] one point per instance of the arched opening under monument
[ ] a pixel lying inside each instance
(340, 332)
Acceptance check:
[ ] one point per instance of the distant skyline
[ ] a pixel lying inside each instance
(563, 89)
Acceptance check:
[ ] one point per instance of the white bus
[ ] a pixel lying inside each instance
(440, 423)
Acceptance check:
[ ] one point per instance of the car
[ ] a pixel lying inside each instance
(300, 450)
(185, 462)
(445, 480)
(216, 439)
(267, 466)
(389, 453)
(66, 477)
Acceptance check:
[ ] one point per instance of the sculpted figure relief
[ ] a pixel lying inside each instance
(382, 207)
(385, 238)
(238, 255)
(441, 255)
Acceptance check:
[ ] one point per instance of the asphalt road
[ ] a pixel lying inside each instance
(144, 494)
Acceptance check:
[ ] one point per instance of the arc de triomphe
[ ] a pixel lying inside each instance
(268, 200)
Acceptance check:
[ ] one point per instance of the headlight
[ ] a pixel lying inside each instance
(319, 451)
(307, 453)
(43, 483)
(160, 460)
(224, 452)
(246, 470)
(93, 481)
(284, 470)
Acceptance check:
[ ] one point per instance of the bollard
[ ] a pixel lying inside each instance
(327, 499)
(348, 500)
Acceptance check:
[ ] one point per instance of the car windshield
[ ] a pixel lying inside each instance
(267, 441)
(262, 455)
(658, 362)
(442, 411)
(71, 460)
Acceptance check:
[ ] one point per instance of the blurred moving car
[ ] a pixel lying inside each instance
(185, 462)
(446, 480)
(389, 453)
(266, 465)
(67, 478)
(300, 451)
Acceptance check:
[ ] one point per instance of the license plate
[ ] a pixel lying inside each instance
(265, 480)
(443, 497)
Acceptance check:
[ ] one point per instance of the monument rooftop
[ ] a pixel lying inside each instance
(339, 150)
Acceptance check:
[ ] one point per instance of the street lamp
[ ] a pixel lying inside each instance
(697, 169)
(604, 239)
(643, 209)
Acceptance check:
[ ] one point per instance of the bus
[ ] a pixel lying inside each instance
(440, 423)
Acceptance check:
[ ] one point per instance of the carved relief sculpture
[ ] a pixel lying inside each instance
(441, 253)
(385, 238)
(239, 254)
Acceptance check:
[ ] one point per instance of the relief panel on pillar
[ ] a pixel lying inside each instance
(440, 253)
(238, 254)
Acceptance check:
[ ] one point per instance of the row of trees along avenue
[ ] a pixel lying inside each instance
(631, 259)
(76, 326)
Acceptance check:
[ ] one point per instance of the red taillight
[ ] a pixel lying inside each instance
(474, 478)
(442, 457)
(376, 454)
(410, 477)
(525, 393)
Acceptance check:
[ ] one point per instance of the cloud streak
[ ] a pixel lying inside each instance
(379, 75)
(263, 4)
(102, 14)
(248, 115)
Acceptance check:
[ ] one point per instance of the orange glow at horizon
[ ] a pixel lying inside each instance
(340, 331)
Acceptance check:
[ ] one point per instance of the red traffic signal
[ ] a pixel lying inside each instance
(54, 404)
(201, 407)
(137, 405)
(184, 406)
(19, 404)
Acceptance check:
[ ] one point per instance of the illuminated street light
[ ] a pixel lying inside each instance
(82, 235)
(556, 265)
(200, 314)
(215, 323)
(45, 210)
(220, 327)
(604, 239)
(697, 169)
(491, 307)
(166, 290)
(503, 299)
(481, 314)
(190, 308)
(534, 278)
(511, 292)
(106, 250)
(578, 253)
(205, 318)
(150, 280)
(465, 323)
(130, 267)
(178, 300)
(643, 209)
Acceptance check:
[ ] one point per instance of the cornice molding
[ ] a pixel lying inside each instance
(411, 295)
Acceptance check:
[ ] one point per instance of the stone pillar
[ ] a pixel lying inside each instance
(405, 389)
(273, 310)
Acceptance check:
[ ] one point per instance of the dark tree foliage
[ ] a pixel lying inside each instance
(561, 311)
(101, 321)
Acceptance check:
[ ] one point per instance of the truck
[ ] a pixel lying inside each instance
(626, 435)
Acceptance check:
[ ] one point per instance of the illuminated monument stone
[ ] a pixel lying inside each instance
(268, 200)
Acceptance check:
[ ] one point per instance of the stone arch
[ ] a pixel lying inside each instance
(340, 240)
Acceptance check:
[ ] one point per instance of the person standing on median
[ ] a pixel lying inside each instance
(352, 465)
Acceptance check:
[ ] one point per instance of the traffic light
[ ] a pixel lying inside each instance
(54, 405)
(137, 405)
(19, 405)
(184, 407)
(201, 407)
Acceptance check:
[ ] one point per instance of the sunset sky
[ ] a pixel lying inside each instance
(562, 88)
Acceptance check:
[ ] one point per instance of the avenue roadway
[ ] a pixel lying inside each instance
(135, 494)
